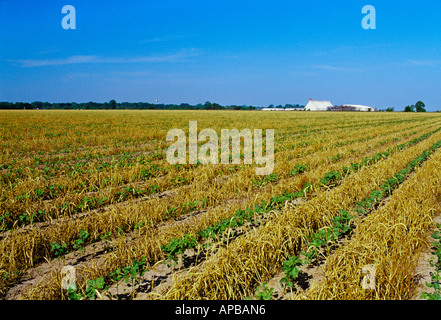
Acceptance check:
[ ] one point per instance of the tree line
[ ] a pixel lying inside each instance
(113, 105)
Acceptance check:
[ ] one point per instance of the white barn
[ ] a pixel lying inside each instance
(316, 105)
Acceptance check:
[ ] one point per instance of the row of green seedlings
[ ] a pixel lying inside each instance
(178, 246)
(300, 168)
(54, 191)
(340, 227)
(344, 143)
(321, 243)
(336, 175)
(84, 238)
(9, 221)
(51, 168)
(308, 131)
(435, 281)
(129, 273)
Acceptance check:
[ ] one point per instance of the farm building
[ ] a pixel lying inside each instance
(342, 108)
(359, 107)
(316, 105)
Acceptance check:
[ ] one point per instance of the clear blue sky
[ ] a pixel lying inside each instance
(252, 52)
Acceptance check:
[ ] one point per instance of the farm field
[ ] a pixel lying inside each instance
(351, 210)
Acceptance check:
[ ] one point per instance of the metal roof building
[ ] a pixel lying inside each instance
(316, 105)
(360, 107)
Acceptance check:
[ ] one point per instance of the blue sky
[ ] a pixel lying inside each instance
(231, 52)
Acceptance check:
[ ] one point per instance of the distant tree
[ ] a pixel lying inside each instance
(185, 106)
(207, 105)
(390, 110)
(409, 108)
(112, 104)
(37, 104)
(420, 107)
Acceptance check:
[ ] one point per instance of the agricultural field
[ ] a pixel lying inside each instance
(90, 208)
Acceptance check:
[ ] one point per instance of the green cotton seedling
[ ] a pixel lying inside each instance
(58, 249)
(336, 158)
(435, 283)
(298, 169)
(154, 189)
(331, 177)
(292, 271)
(129, 272)
(178, 246)
(93, 286)
(341, 224)
(79, 243)
(138, 225)
(271, 178)
(105, 236)
(177, 181)
(171, 212)
(265, 293)
(236, 220)
(74, 295)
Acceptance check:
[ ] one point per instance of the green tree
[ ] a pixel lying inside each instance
(420, 107)
(112, 104)
(409, 108)
(207, 105)
(390, 110)
(37, 104)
